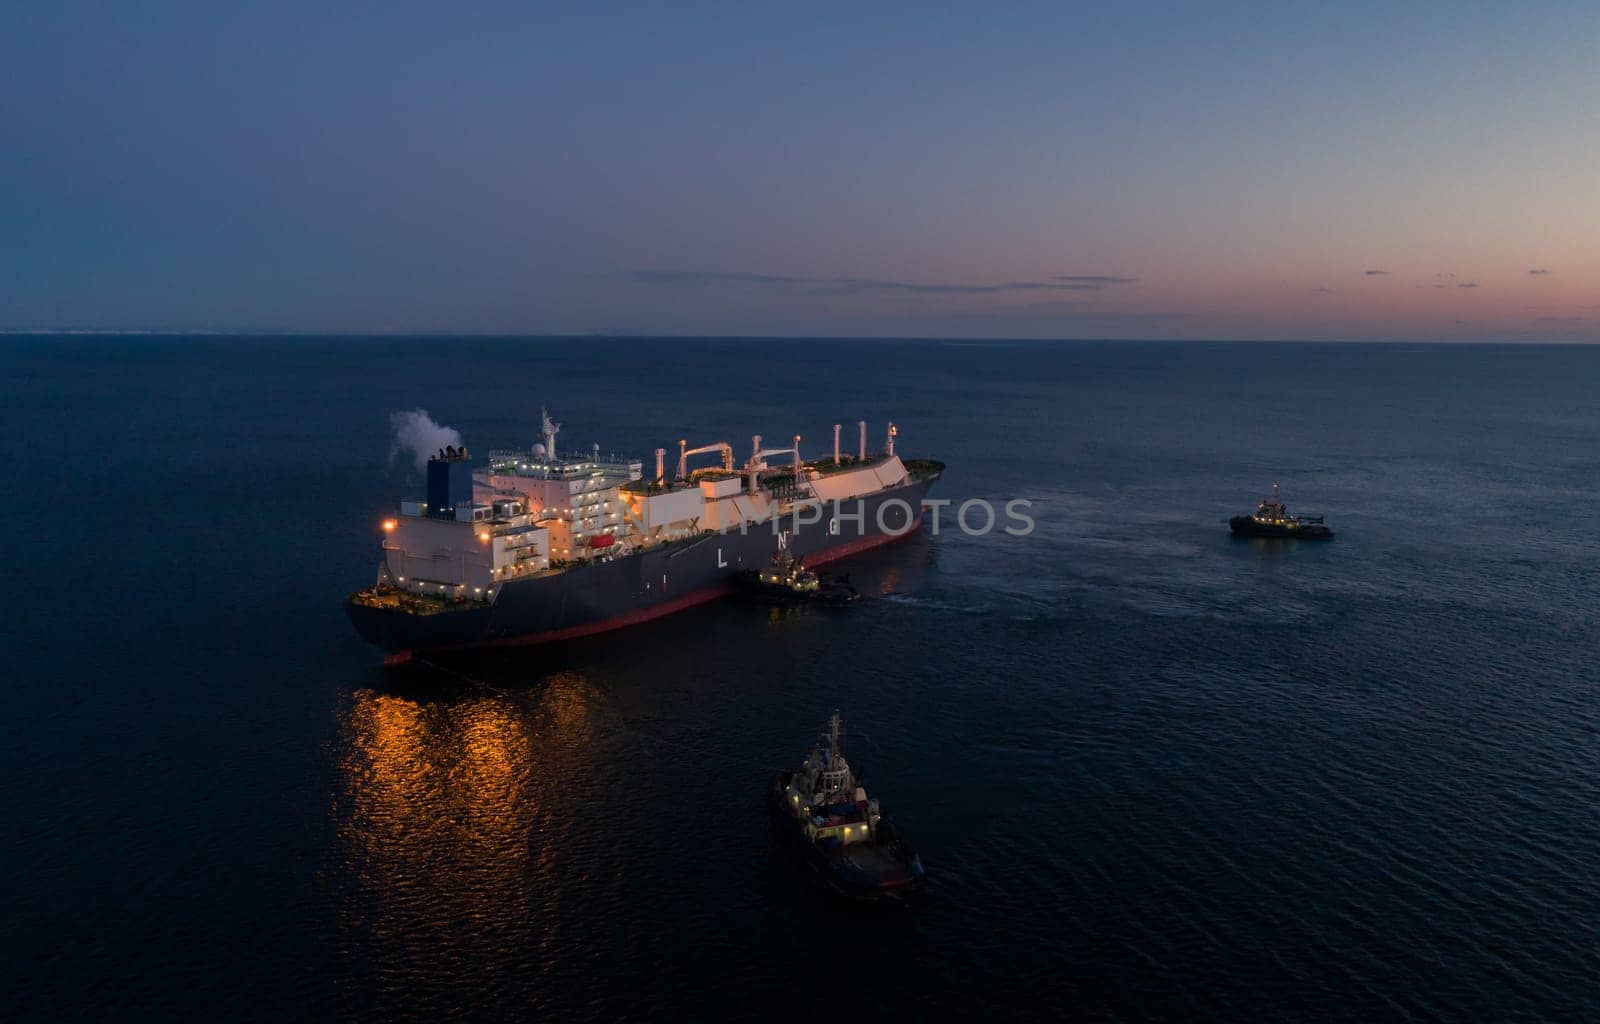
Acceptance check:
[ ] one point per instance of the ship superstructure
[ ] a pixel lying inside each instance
(575, 497)
(543, 545)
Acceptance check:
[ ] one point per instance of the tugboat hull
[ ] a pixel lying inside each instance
(873, 870)
(831, 594)
(1249, 526)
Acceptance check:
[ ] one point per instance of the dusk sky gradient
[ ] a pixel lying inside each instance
(1424, 171)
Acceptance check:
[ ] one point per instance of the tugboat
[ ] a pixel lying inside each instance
(844, 836)
(786, 580)
(1272, 519)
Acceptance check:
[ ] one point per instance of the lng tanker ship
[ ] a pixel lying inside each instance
(535, 546)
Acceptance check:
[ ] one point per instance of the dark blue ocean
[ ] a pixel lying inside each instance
(1154, 772)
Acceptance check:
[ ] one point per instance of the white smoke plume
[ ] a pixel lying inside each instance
(416, 434)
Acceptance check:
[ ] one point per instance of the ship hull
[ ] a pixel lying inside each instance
(609, 595)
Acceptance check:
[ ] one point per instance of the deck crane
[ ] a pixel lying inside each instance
(759, 454)
(684, 451)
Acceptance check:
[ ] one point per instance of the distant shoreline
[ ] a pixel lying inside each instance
(208, 333)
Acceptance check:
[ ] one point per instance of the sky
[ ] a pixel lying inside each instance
(1421, 171)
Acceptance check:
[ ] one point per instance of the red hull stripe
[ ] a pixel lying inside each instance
(855, 547)
(677, 604)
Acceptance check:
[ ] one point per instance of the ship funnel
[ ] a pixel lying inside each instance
(661, 465)
(449, 483)
(683, 458)
(836, 444)
(863, 455)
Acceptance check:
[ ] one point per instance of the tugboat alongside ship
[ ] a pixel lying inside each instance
(788, 581)
(843, 835)
(1272, 519)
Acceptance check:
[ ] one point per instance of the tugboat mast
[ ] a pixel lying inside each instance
(835, 776)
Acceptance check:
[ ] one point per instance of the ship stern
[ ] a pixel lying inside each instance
(387, 622)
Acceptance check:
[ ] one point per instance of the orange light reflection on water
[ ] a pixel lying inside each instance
(452, 823)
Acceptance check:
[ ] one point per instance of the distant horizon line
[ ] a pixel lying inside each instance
(210, 332)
